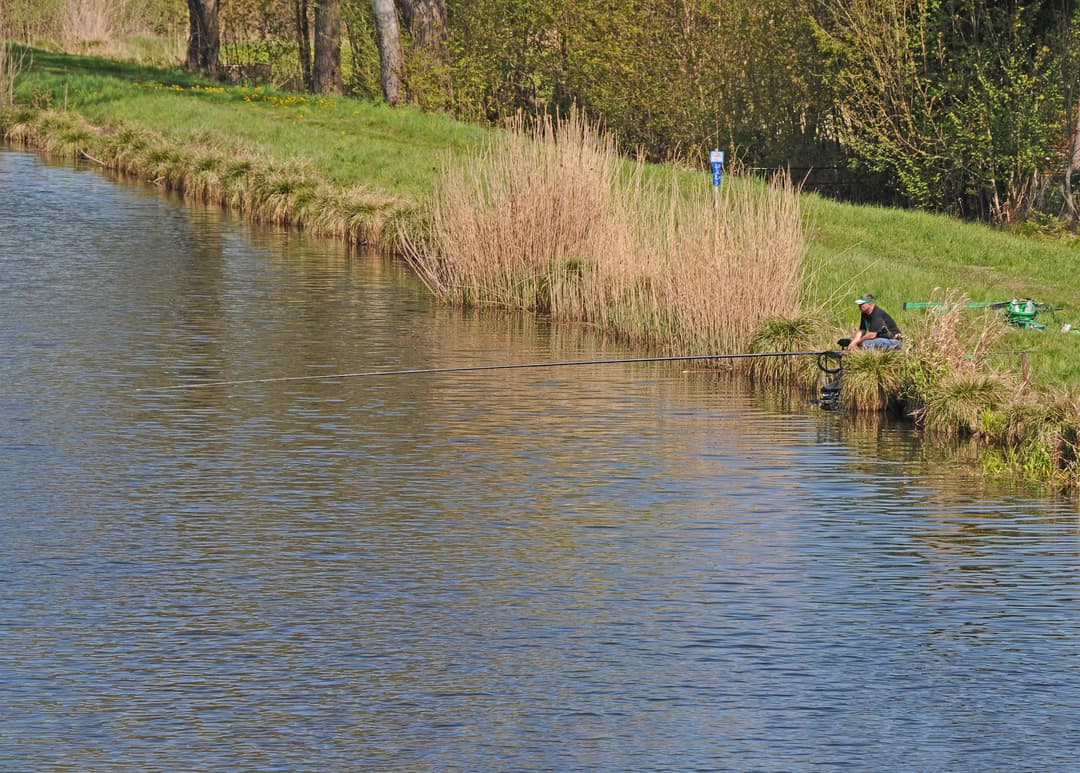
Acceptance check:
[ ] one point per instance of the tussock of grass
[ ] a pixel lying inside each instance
(787, 334)
(955, 336)
(872, 379)
(949, 341)
(1037, 438)
(959, 401)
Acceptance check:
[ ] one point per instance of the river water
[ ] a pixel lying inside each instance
(603, 568)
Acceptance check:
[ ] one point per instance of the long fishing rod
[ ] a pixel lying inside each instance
(472, 368)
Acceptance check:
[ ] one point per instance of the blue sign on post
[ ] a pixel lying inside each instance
(716, 160)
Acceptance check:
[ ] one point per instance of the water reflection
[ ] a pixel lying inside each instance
(614, 568)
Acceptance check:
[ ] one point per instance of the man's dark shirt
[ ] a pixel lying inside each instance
(878, 321)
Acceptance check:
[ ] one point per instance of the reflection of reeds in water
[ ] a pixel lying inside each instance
(551, 220)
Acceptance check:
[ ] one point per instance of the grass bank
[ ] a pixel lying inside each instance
(661, 266)
(335, 166)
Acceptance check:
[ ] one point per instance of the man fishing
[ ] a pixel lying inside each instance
(877, 330)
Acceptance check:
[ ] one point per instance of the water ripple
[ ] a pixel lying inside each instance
(622, 568)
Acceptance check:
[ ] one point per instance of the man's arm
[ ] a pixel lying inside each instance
(860, 336)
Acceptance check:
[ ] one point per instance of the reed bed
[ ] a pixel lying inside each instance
(548, 218)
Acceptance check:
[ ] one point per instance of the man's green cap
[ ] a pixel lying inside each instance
(864, 298)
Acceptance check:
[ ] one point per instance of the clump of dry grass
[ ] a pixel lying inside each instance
(516, 222)
(959, 402)
(954, 336)
(872, 379)
(787, 334)
(947, 370)
(548, 218)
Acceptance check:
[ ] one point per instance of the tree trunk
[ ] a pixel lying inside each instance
(303, 41)
(391, 58)
(1074, 163)
(426, 20)
(326, 77)
(204, 37)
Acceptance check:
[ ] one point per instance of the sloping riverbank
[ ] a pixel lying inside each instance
(367, 173)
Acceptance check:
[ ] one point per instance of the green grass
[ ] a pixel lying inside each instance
(396, 155)
(346, 142)
(905, 256)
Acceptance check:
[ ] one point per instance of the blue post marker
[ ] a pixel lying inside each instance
(716, 161)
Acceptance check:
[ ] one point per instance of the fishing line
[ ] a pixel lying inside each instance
(472, 368)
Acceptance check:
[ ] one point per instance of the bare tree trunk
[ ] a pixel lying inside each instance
(326, 76)
(204, 37)
(391, 58)
(426, 20)
(1071, 213)
(303, 41)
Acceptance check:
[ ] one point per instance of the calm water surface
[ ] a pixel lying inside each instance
(610, 568)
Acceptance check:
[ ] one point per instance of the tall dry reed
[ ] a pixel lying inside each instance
(717, 265)
(954, 337)
(513, 218)
(951, 385)
(549, 218)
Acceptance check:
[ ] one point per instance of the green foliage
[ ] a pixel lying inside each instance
(361, 63)
(672, 79)
(962, 107)
(962, 102)
(506, 57)
(1030, 460)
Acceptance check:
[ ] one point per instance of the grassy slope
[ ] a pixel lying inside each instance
(905, 256)
(897, 255)
(348, 142)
